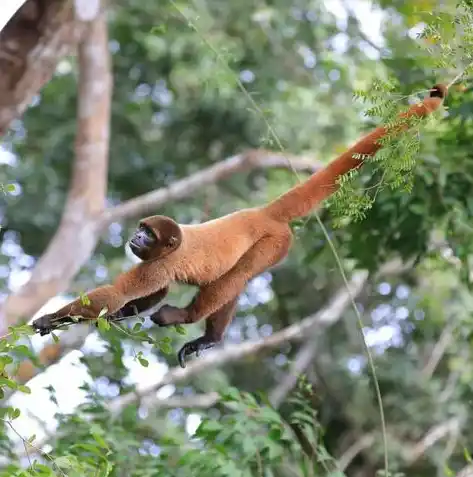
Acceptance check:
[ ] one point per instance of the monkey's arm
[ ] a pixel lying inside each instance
(140, 305)
(138, 282)
(87, 308)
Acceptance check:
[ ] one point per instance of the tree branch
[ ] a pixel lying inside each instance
(196, 401)
(410, 452)
(231, 353)
(360, 445)
(438, 352)
(180, 189)
(439, 431)
(306, 354)
(78, 233)
(31, 45)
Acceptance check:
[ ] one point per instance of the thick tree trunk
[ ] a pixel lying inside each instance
(34, 40)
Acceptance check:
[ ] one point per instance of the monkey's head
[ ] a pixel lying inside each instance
(155, 237)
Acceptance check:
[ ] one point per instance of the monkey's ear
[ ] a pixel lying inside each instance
(172, 241)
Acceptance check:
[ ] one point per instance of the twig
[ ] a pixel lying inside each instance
(438, 352)
(437, 432)
(361, 444)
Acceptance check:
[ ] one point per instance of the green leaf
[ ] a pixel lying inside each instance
(144, 362)
(64, 462)
(24, 389)
(84, 299)
(100, 441)
(166, 348)
(103, 324)
(180, 329)
(8, 382)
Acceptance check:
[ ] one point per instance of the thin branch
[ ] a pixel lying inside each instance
(29, 55)
(232, 353)
(438, 352)
(196, 401)
(306, 354)
(78, 233)
(302, 361)
(410, 452)
(360, 445)
(439, 431)
(180, 189)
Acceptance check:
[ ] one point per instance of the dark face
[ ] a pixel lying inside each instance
(143, 242)
(155, 238)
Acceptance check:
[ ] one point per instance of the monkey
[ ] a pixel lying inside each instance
(221, 255)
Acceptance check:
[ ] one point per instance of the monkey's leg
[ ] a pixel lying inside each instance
(265, 253)
(215, 327)
(139, 305)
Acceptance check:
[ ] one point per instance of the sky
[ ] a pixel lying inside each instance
(69, 373)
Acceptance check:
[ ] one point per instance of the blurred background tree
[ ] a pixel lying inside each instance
(196, 84)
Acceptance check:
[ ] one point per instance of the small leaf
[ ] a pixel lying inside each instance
(144, 362)
(55, 338)
(103, 324)
(11, 188)
(180, 329)
(24, 389)
(84, 299)
(63, 462)
(166, 348)
(100, 440)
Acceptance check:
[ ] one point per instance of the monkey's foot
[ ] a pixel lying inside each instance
(194, 346)
(169, 315)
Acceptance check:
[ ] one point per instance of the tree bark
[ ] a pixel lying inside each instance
(34, 40)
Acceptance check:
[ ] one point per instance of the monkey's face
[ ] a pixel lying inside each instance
(155, 238)
(143, 242)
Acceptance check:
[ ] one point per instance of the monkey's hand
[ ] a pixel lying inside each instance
(194, 346)
(47, 323)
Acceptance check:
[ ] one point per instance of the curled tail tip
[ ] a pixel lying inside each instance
(439, 90)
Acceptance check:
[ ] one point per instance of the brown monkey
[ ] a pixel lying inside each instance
(219, 256)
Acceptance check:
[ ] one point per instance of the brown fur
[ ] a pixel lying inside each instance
(222, 255)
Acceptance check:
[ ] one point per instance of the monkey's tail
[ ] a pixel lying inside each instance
(301, 199)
